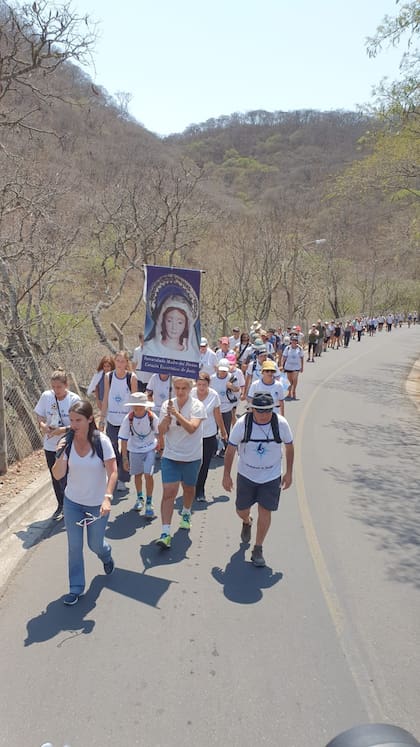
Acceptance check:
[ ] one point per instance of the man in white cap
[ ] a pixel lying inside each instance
(258, 438)
(208, 358)
(225, 387)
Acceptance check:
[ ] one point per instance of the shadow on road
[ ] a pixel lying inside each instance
(57, 618)
(38, 531)
(242, 582)
(386, 494)
(153, 556)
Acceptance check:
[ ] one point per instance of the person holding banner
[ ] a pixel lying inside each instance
(181, 425)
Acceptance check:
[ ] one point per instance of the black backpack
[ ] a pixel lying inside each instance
(97, 443)
(127, 378)
(248, 429)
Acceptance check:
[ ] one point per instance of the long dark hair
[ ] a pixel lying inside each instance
(185, 331)
(84, 407)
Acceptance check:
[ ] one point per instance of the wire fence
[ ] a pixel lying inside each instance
(19, 432)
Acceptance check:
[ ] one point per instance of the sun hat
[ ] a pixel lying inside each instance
(203, 341)
(138, 399)
(262, 401)
(269, 365)
(223, 365)
(261, 350)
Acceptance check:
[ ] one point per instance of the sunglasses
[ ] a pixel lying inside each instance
(263, 409)
(87, 519)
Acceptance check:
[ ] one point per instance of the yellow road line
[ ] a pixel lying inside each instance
(357, 668)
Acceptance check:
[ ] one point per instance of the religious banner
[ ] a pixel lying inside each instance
(172, 324)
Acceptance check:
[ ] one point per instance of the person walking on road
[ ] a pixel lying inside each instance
(292, 364)
(258, 438)
(89, 462)
(119, 384)
(213, 422)
(181, 425)
(138, 436)
(52, 411)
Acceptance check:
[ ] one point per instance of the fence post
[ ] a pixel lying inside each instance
(3, 439)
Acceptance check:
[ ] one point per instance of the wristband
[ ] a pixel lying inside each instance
(108, 495)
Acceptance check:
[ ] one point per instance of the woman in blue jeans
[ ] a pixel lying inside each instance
(91, 467)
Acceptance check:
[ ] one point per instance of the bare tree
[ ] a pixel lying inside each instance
(36, 39)
(156, 215)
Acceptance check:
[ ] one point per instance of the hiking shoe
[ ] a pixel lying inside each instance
(200, 498)
(246, 532)
(185, 521)
(164, 541)
(257, 556)
(71, 599)
(138, 506)
(58, 514)
(109, 567)
(149, 512)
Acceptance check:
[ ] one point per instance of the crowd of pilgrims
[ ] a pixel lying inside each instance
(132, 408)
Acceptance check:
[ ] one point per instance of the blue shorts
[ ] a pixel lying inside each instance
(266, 494)
(185, 472)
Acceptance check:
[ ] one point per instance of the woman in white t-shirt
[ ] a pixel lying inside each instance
(52, 411)
(292, 364)
(211, 402)
(119, 385)
(91, 468)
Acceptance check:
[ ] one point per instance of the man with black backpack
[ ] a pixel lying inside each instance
(258, 437)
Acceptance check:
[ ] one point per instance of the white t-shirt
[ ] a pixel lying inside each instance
(208, 361)
(275, 389)
(54, 412)
(159, 389)
(219, 385)
(212, 400)
(139, 433)
(293, 358)
(86, 477)
(119, 394)
(180, 445)
(137, 359)
(240, 378)
(260, 460)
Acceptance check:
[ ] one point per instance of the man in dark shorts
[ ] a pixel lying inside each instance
(259, 443)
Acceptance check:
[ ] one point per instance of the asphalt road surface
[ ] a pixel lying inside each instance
(195, 646)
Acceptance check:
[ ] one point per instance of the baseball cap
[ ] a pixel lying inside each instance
(231, 357)
(269, 365)
(235, 329)
(261, 350)
(262, 401)
(203, 341)
(223, 365)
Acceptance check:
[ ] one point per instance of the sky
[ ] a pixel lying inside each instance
(185, 61)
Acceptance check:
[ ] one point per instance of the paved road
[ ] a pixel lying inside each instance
(196, 646)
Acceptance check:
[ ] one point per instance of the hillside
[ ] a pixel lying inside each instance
(88, 196)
